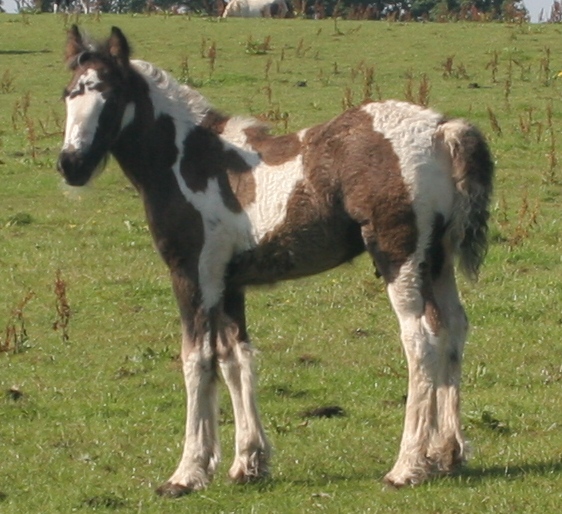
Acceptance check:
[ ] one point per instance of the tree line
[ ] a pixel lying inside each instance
(406, 10)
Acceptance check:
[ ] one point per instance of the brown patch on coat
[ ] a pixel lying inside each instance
(231, 323)
(273, 150)
(205, 158)
(176, 226)
(177, 229)
(372, 188)
(243, 186)
(316, 235)
(352, 197)
(149, 166)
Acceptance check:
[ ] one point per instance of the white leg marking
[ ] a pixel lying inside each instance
(201, 452)
(448, 448)
(422, 353)
(252, 448)
(432, 440)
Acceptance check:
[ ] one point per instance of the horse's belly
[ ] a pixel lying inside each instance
(297, 251)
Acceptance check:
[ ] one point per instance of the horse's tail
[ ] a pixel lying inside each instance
(472, 170)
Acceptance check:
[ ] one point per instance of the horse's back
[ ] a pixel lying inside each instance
(378, 176)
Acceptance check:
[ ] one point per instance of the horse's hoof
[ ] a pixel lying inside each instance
(170, 490)
(399, 480)
(394, 484)
(242, 478)
(239, 476)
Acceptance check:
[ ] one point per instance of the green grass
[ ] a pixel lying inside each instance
(95, 422)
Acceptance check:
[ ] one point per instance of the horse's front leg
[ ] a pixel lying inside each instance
(251, 460)
(201, 452)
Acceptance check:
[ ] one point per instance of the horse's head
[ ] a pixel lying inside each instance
(96, 99)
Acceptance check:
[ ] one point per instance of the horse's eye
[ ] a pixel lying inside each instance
(82, 58)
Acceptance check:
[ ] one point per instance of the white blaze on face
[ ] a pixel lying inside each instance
(84, 104)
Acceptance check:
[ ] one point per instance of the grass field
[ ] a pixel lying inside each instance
(91, 393)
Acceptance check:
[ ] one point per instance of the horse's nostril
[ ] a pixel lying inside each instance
(71, 165)
(65, 162)
(60, 163)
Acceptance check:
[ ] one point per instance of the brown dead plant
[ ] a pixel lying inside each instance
(494, 122)
(549, 177)
(527, 220)
(16, 339)
(62, 307)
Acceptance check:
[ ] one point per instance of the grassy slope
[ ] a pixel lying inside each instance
(100, 421)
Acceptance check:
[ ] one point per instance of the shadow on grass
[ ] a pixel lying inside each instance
(470, 475)
(322, 480)
(24, 52)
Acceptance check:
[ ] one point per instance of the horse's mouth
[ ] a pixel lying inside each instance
(74, 182)
(76, 169)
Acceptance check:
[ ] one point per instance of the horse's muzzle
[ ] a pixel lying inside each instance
(72, 167)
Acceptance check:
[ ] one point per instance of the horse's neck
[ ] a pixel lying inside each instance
(153, 143)
(170, 98)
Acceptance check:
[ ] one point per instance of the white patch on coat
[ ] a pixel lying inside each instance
(226, 233)
(83, 107)
(128, 115)
(411, 130)
(233, 131)
(274, 184)
(222, 228)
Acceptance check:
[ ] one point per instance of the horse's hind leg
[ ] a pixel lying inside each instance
(251, 459)
(448, 449)
(421, 347)
(432, 332)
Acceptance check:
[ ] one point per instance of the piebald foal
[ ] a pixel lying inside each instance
(230, 205)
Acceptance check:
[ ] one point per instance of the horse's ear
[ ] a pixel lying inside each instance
(118, 47)
(74, 45)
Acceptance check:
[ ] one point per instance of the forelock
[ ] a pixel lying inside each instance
(94, 50)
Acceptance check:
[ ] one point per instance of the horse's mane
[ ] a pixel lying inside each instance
(197, 105)
(197, 108)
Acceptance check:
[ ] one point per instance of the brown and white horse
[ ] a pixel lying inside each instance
(230, 205)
